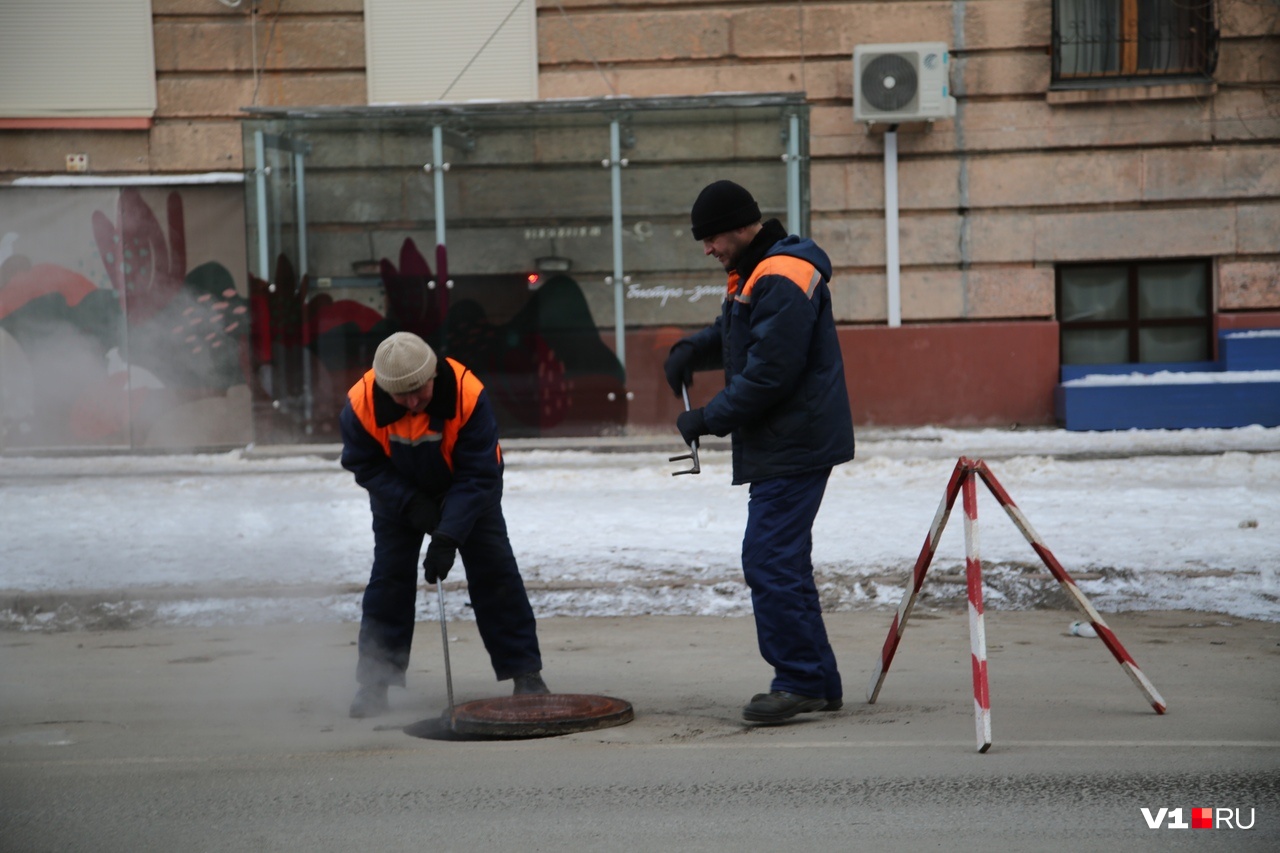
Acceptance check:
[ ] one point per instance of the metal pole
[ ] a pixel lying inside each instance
(793, 176)
(908, 603)
(1104, 632)
(300, 223)
(437, 173)
(444, 637)
(300, 201)
(977, 619)
(891, 259)
(260, 181)
(615, 176)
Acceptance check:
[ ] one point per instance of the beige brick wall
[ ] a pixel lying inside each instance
(1039, 183)
(37, 153)
(212, 62)
(207, 71)
(989, 200)
(1249, 285)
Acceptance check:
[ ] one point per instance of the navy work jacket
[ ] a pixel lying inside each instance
(449, 452)
(784, 400)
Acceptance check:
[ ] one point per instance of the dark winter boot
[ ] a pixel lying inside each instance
(370, 701)
(530, 682)
(779, 705)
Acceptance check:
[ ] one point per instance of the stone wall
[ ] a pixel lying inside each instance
(1021, 179)
(1017, 182)
(989, 200)
(207, 70)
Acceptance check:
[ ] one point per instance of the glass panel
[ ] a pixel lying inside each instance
(1177, 343)
(1095, 346)
(123, 315)
(279, 286)
(1089, 37)
(65, 283)
(1172, 36)
(1094, 293)
(530, 237)
(528, 222)
(1173, 290)
(672, 281)
(188, 317)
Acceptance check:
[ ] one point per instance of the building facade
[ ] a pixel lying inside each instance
(1106, 191)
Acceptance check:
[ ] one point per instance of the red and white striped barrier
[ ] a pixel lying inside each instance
(977, 624)
(917, 580)
(962, 480)
(1105, 633)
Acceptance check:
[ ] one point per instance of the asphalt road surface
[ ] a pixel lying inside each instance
(238, 740)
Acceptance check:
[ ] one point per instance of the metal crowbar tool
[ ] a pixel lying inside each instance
(444, 638)
(693, 445)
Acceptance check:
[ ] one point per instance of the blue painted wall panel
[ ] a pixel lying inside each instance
(1241, 352)
(1208, 405)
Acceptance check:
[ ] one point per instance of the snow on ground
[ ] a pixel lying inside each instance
(1144, 520)
(1176, 377)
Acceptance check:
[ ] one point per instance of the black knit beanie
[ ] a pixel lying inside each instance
(722, 206)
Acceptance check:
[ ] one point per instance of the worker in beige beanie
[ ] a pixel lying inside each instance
(403, 363)
(420, 435)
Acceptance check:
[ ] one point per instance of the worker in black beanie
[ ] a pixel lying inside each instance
(787, 408)
(722, 206)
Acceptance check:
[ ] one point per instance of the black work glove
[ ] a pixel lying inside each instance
(691, 425)
(423, 513)
(440, 556)
(677, 366)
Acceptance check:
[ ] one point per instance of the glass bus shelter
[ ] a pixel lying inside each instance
(524, 239)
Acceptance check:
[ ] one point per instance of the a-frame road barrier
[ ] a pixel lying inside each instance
(963, 481)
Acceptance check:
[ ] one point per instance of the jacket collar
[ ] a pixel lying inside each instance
(769, 234)
(443, 405)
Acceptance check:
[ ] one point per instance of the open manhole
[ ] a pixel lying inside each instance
(525, 716)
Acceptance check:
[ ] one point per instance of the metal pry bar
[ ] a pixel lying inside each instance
(693, 445)
(444, 637)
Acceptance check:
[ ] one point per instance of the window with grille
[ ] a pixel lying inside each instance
(1133, 38)
(1136, 312)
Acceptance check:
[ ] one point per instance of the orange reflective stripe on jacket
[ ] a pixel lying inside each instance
(415, 428)
(797, 270)
(469, 388)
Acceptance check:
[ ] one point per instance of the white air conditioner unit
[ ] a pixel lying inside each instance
(897, 83)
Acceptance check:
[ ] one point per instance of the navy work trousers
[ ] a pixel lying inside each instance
(503, 615)
(777, 563)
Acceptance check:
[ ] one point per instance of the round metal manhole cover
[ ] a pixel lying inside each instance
(526, 716)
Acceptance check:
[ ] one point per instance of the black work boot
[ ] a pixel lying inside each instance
(529, 683)
(370, 701)
(778, 705)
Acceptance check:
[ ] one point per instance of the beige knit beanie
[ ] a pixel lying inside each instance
(403, 363)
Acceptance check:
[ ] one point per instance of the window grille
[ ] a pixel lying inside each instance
(1133, 38)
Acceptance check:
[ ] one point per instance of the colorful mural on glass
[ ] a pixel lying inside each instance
(108, 339)
(104, 365)
(546, 368)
